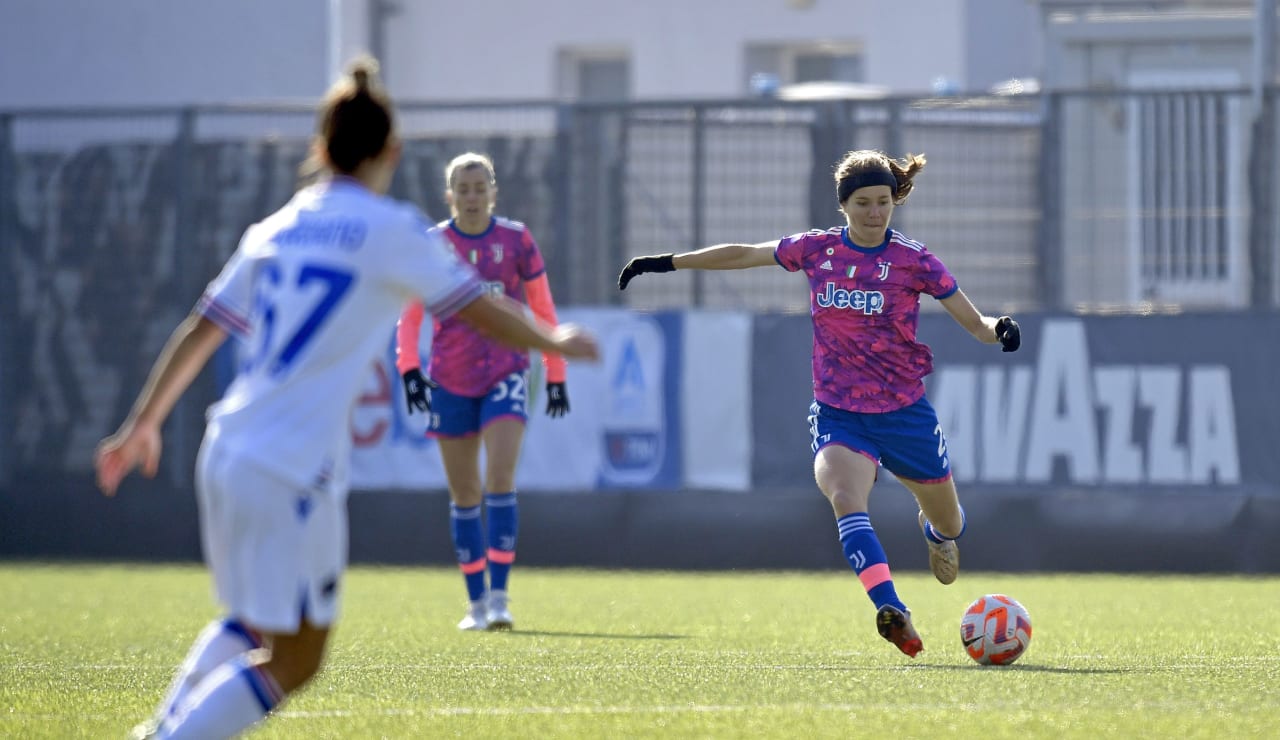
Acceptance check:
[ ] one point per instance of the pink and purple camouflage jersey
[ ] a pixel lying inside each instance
(865, 308)
(505, 255)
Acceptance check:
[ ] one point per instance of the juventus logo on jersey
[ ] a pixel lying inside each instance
(497, 252)
(884, 269)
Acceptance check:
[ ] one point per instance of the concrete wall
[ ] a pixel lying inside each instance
(1103, 51)
(143, 52)
(130, 52)
(791, 528)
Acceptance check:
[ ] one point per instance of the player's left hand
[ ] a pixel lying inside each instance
(125, 450)
(557, 400)
(1009, 334)
(417, 390)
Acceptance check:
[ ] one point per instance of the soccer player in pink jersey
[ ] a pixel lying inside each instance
(301, 291)
(475, 391)
(869, 406)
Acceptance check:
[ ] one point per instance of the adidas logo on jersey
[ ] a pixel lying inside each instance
(826, 265)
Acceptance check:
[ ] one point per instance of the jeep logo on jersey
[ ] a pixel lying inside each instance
(495, 288)
(866, 301)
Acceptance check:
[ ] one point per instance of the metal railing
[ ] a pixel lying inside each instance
(112, 221)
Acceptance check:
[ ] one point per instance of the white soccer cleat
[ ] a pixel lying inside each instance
(944, 558)
(498, 615)
(477, 618)
(145, 730)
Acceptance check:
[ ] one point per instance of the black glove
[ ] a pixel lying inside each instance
(640, 265)
(417, 390)
(1009, 334)
(557, 400)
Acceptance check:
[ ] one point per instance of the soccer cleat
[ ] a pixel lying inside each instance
(145, 730)
(944, 557)
(499, 615)
(894, 625)
(477, 619)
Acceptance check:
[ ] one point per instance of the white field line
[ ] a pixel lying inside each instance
(1064, 663)
(675, 709)
(671, 709)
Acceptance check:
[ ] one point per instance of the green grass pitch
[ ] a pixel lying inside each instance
(87, 650)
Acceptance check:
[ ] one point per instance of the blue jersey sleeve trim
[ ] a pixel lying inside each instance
(949, 293)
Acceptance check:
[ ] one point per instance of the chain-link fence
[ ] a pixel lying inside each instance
(112, 221)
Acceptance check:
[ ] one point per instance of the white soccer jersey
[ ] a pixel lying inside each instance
(313, 290)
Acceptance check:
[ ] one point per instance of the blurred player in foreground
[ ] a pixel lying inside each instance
(305, 291)
(869, 406)
(477, 390)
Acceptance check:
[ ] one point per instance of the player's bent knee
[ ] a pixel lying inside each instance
(847, 501)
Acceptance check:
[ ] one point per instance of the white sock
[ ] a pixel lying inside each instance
(234, 697)
(219, 642)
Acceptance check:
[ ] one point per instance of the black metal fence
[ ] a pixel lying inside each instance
(112, 221)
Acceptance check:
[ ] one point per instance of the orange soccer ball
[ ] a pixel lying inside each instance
(995, 630)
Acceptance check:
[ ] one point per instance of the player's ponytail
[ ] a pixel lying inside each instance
(905, 175)
(870, 167)
(354, 122)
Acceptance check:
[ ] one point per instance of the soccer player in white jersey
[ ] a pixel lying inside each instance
(869, 406)
(306, 291)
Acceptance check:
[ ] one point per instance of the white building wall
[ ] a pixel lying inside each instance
(1104, 52)
(1103, 196)
(129, 52)
(678, 48)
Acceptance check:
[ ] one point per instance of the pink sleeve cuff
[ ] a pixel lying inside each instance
(408, 329)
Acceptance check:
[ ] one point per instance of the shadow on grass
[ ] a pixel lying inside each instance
(598, 635)
(1020, 667)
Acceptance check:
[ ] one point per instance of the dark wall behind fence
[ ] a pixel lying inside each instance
(1106, 443)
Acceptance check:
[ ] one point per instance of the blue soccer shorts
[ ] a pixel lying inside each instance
(462, 416)
(908, 442)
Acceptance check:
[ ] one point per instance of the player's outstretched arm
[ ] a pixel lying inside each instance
(986, 329)
(505, 320)
(719, 257)
(137, 441)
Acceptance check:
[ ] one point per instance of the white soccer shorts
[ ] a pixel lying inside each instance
(277, 550)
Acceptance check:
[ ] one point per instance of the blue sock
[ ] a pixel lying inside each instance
(504, 522)
(469, 545)
(863, 551)
(932, 535)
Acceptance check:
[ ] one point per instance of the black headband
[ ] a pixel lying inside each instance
(865, 179)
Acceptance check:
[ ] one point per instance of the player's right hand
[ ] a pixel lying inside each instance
(417, 390)
(1009, 334)
(640, 265)
(574, 342)
(123, 451)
